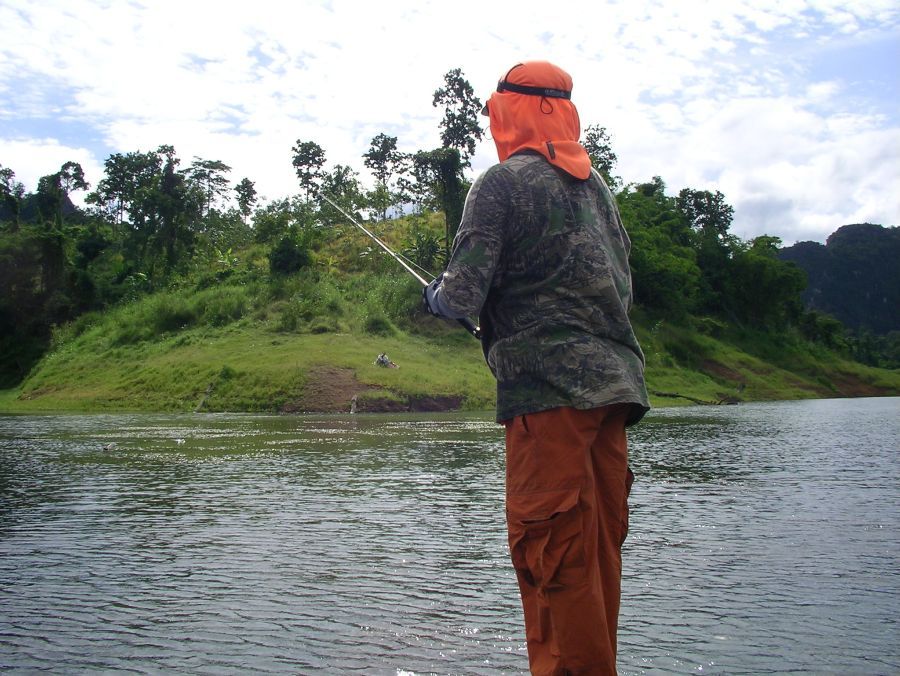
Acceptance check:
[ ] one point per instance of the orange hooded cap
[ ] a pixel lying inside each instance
(531, 109)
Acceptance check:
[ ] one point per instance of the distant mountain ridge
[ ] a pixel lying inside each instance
(854, 276)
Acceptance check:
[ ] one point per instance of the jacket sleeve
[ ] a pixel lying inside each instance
(477, 246)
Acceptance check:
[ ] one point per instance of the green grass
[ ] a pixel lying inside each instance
(750, 367)
(249, 368)
(262, 344)
(251, 365)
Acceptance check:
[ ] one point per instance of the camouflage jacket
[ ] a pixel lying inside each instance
(542, 259)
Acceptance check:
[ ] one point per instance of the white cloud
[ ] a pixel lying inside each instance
(32, 158)
(707, 95)
(822, 92)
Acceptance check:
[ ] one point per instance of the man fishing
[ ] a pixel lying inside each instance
(541, 258)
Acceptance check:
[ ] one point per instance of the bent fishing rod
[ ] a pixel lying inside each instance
(469, 326)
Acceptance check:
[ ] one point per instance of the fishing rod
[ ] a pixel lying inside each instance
(467, 323)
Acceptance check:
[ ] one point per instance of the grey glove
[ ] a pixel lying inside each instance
(428, 296)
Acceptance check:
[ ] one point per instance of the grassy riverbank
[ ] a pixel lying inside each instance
(232, 336)
(265, 355)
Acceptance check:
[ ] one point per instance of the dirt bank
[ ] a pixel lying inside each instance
(335, 390)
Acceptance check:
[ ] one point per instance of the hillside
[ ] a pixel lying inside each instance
(236, 348)
(854, 276)
(156, 299)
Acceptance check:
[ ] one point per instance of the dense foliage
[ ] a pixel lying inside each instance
(152, 227)
(854, 276)
(854, 282)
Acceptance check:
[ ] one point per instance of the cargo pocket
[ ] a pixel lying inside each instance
(546, 549)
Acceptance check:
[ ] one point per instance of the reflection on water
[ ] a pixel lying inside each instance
(764, 539)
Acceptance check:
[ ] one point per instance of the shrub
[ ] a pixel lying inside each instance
(378, 325)
(288, 257)
(290, 318)
(423, 246)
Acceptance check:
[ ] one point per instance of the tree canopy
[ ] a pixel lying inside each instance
(459, 127)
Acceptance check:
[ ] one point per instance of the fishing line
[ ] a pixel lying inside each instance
(468, 324)
(416, 265)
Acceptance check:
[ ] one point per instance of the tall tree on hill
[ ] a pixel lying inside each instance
(459, 126)
(178, 206)
(50, 233)
(384, 160)
(11, 194)
(342, 187)
(246, 196)
(128, 180)
(210, 176)
(71, 177)
(598, 144)
(308, 161)
(52, 197)
(708, 213)
(163, 206)
(54, 234)
(709, 217)
(439, 175)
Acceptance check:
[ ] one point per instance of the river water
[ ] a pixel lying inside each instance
(764, 539)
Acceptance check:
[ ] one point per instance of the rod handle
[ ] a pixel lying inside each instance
(470, 327)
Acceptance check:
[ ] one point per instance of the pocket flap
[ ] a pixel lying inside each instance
(541, 506)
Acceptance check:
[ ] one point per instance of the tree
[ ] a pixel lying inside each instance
(11, 194)
(709, 217)
(439, 175)
(23, 333)
(460, 128)
(309, 158)
(289, 255)
(52, 196)
(664, 266)
(384, 160)
(272, 221)
(820, 327)
(129, 178)
(597, 143)
(163, 205)
(209, 175)
(71, 177)
(177, 207)
(246, 196)
(707, 213)
(762, 289)
(342, 187)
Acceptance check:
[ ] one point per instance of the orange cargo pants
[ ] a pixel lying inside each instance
(567, 485)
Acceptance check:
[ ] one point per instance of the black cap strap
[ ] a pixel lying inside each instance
(504, 86)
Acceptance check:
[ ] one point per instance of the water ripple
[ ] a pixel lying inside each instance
(764, 539)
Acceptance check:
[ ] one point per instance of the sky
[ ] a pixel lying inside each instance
(791, 108)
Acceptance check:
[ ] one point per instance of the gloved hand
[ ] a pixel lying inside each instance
(428, 296)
